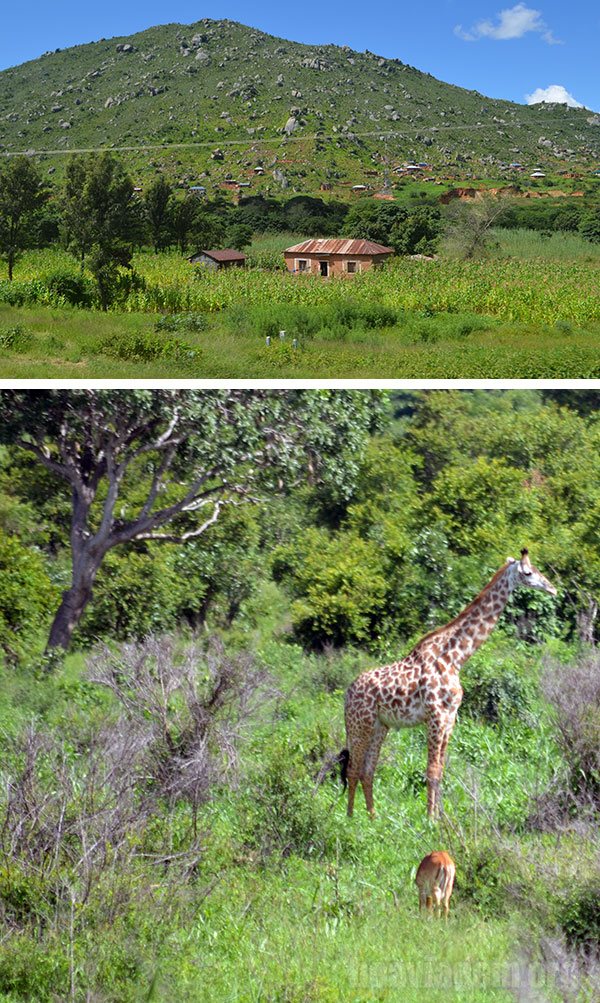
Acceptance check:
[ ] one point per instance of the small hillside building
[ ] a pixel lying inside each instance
(335, 256)
(219, 259)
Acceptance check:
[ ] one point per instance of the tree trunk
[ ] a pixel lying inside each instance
(70, 611)
(10, 266)
(74, 600)
(586, 622)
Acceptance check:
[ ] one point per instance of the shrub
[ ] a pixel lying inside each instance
(92, 810)
(580, 917)
(181, 322)
(336, 669)
(135, 594)
(493, 692)
(70, 287)
(15, 339)
(30, 971)
(573, 692)
(339, 584)
(27, 595)
(145, 347)
(286, 814)
(182, 707)
(574, 972)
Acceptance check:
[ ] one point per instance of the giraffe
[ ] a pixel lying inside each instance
(424, 688)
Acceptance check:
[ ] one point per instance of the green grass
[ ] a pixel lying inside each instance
(292, 902)
(527, 245)
(69, 343)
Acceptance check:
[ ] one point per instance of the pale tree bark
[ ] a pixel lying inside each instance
(586, 621)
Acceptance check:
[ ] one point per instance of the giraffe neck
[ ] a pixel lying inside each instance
(459, 639)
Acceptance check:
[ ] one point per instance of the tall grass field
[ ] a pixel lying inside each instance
(530, 310)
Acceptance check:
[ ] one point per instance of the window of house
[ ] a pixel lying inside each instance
(302, 265)
(352, 266)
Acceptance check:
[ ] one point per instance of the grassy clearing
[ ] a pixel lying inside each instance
(84, 344)
(291, 902)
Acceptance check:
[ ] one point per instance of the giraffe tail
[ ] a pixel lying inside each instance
(344, 760)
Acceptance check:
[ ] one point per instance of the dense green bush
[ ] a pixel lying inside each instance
(589, 226)
(15, 339)
(494, 692)
(70, 287)
(286, 814)
(30, 970)
(27, 595)
(135, 594)
(339, 585)
(145, 347)
(580, 916)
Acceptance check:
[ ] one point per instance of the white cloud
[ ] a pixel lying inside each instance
(555, 94)
(512, 23)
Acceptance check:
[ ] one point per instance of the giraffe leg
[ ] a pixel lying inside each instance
(358, 743)
(446, 733)
(370, 763)
(435, 765)
(352, 782)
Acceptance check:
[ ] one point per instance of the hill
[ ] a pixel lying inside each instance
(304, 114)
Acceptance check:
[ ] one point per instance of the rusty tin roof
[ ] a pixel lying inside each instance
(338, 245)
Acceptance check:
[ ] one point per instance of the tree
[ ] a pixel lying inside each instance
(589, 226)
(411, 230)
(185, 212)
(158, 205)
(468, 225)
(369, 220)
(188, 454)
(238, 236)
(76, 221)
(418, 233)
(101, 219)
(21, 197)
(208, 229)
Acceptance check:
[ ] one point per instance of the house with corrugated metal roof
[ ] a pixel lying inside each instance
(219, 259)
(335, 256)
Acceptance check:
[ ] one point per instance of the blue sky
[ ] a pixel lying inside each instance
(503, 49)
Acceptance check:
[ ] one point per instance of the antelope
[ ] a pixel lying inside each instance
(435, 880)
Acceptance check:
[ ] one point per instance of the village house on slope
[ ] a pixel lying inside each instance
(219, 259)
(335, 256)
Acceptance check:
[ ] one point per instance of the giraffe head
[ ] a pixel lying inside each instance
(525, 575)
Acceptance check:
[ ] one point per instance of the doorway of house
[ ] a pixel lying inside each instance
(324, 266)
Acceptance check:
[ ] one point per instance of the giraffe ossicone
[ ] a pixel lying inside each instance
(424, 688)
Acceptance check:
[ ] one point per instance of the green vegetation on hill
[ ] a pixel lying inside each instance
(170, 825)
(304, 114)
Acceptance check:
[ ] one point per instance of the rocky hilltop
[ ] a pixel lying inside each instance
(247, 98)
